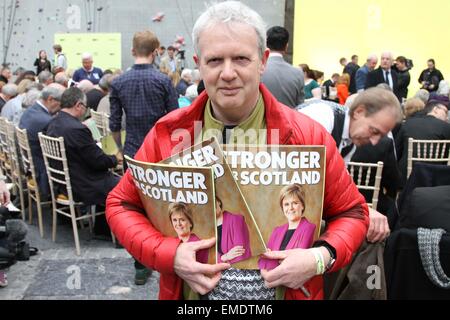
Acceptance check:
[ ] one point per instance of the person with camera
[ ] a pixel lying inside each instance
(430, 78)
(402, 66)
(4, 201)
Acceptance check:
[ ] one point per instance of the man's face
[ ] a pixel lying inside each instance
(372, 64)
(6, 73)
(231, 72)
(53, 105)
(400, 65)
(170, 53)
(370, 129)
(87, 63)
(161, 52)
(386, 61)
(430, 65)
(355, 60)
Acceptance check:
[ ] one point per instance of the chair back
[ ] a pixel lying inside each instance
(363, 176)
(54, 153)
(436, 151)
(25, 153)
(101, 121)
(16, 168)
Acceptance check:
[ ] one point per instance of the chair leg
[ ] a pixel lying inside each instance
(30, 209)
(29, 205)
(22, 202)
(75, 230)
(54, 222)
(39, 211)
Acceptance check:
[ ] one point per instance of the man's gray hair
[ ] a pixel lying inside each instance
(376, 99)
(444, 88)
(186, 73)
(61, 78)
(51, 92)
(44, 76)
(105, 82)
(371, 57)
(31, 98)
(86, 56)
(196, 75)
(10, 90)
(230, 12)
(423, 95)
(384, 86)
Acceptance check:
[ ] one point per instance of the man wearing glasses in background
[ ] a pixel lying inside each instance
(88, 164)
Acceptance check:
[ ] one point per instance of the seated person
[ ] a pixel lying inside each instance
(35, 119)
(88, 164)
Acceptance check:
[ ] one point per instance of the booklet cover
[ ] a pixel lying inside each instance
(239, 240)
(179, 201)
(284, 188)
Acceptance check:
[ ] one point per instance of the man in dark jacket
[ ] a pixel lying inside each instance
(404, 78)
(351, 69)
(430, 78)
(384, 74)
(88, 164)
(433, 125)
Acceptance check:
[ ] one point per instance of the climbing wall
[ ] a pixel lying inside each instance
(29, 26)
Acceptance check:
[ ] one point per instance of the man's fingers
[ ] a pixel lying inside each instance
(203, 284)
(272, 275)
(211, 269)
(275, 255)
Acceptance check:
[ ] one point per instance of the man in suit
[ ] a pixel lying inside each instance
(170, 62)
(432, 125)
(283, 80)
(35, 119)
(351, 69)
(384, 74)
(361, 74)
(356, 130)
(88, 164)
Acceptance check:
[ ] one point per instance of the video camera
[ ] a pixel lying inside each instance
(182, 54)
(13, 246)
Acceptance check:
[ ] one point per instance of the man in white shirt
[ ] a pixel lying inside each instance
(372, 115)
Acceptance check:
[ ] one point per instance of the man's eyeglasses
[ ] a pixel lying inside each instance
(83, 104)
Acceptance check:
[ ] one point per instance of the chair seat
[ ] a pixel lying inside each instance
(31, 184)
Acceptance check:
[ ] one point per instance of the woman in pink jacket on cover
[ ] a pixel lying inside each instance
(298, 233)
(233, 236)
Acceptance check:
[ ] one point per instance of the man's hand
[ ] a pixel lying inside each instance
(202, 278)
(233, 253)
(4, 194)
(297, 267)
(119, 157)
(378, 227)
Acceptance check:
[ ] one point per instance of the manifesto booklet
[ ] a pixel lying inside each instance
(179, 201)
(284, 188)
(239, 241)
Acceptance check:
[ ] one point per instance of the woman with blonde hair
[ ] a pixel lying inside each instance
(412, 106)
(342, 86)
(180, 215)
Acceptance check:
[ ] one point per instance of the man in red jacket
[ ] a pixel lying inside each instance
(229, 40)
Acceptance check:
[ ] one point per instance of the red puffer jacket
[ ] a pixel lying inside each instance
(175, 132)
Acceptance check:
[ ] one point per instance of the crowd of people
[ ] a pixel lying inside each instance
(361, 115)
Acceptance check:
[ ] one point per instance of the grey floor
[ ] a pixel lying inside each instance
(102, 272)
